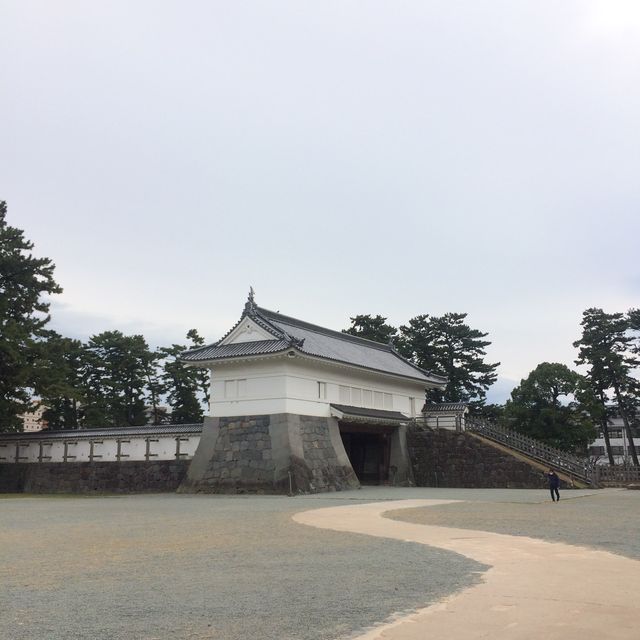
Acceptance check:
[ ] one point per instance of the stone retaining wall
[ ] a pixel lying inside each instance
(241, 455)
(456, 459)
(280, 453)
(325, 471)
(89, 477)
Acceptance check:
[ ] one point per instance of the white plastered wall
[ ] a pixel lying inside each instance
(105, 449)
(283, 384)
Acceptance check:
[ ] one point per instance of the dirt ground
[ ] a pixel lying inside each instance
(171, 566)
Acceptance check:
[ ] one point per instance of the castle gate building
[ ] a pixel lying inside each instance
(298, 407)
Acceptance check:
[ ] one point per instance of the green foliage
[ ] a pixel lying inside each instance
(184, 384)
(155, 387)
(448, 346)
(25, 283)
(445, 345)
(607, 347)
(108, 381)
(544, 407)
(62, 393)
(115, 376)
(493, 413)
(116, 380)
(202, 375)
(372, 328)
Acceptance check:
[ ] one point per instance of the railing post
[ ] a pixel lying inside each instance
(569, 463)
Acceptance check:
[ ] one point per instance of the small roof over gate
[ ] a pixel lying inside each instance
(346, 413)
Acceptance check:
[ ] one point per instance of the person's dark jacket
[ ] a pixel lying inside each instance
(554, 481)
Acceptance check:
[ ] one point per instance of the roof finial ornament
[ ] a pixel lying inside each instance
(250, 304)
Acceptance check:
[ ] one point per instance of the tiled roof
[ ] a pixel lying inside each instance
(444, 406)
(312, 340)
(364, 412)
(237, 350)
(107, 432)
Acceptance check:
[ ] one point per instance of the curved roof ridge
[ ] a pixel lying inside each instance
(314, 341)
(389, 348)
(315, 327)
(249, 312)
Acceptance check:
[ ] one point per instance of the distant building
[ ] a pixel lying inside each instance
(619, 443)
(34, 420)
(162, 413)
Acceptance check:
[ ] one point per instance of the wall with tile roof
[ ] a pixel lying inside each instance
(105, 445)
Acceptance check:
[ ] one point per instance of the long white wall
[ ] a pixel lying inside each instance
(307, 387)
(42, 447)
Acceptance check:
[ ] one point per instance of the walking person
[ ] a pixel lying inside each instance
(554, 485)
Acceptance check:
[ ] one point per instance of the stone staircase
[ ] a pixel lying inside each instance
(580, 470)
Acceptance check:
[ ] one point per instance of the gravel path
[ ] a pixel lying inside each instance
(174, 567)
(607, 519)
(534, 589)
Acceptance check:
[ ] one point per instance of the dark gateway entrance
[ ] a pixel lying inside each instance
(369, 450)
(375, 443)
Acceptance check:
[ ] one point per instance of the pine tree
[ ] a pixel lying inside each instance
(448, 346)
(372, 328)
(202, 375)
(606, 347)
(155, 387)
(115, 380)
(62, 393)
(185, 385)
(25, 281)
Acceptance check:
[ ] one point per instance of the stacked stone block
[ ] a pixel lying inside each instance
(93, 477)
(241, 456)
(281, 453)
(325, 471)
(442, 458)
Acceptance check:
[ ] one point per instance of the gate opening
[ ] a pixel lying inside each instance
(368, 449)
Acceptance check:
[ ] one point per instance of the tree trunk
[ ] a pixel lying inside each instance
(604, 424)
(627, 427)
(607, 442)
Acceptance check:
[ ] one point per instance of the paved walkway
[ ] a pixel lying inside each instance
(534, 589)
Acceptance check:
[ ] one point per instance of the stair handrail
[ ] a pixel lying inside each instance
(581, 468)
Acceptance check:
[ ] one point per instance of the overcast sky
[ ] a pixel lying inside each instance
(342, 157)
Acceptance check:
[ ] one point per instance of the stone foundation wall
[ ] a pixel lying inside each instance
(89, 477)
(443, 458)
(241, 455)
(281, 453)
(325, 471)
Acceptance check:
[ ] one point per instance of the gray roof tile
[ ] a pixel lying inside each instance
(237, 350)
(444, 406)
(106, 432)
(343, 347)
(364, 412)
(316, 341)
